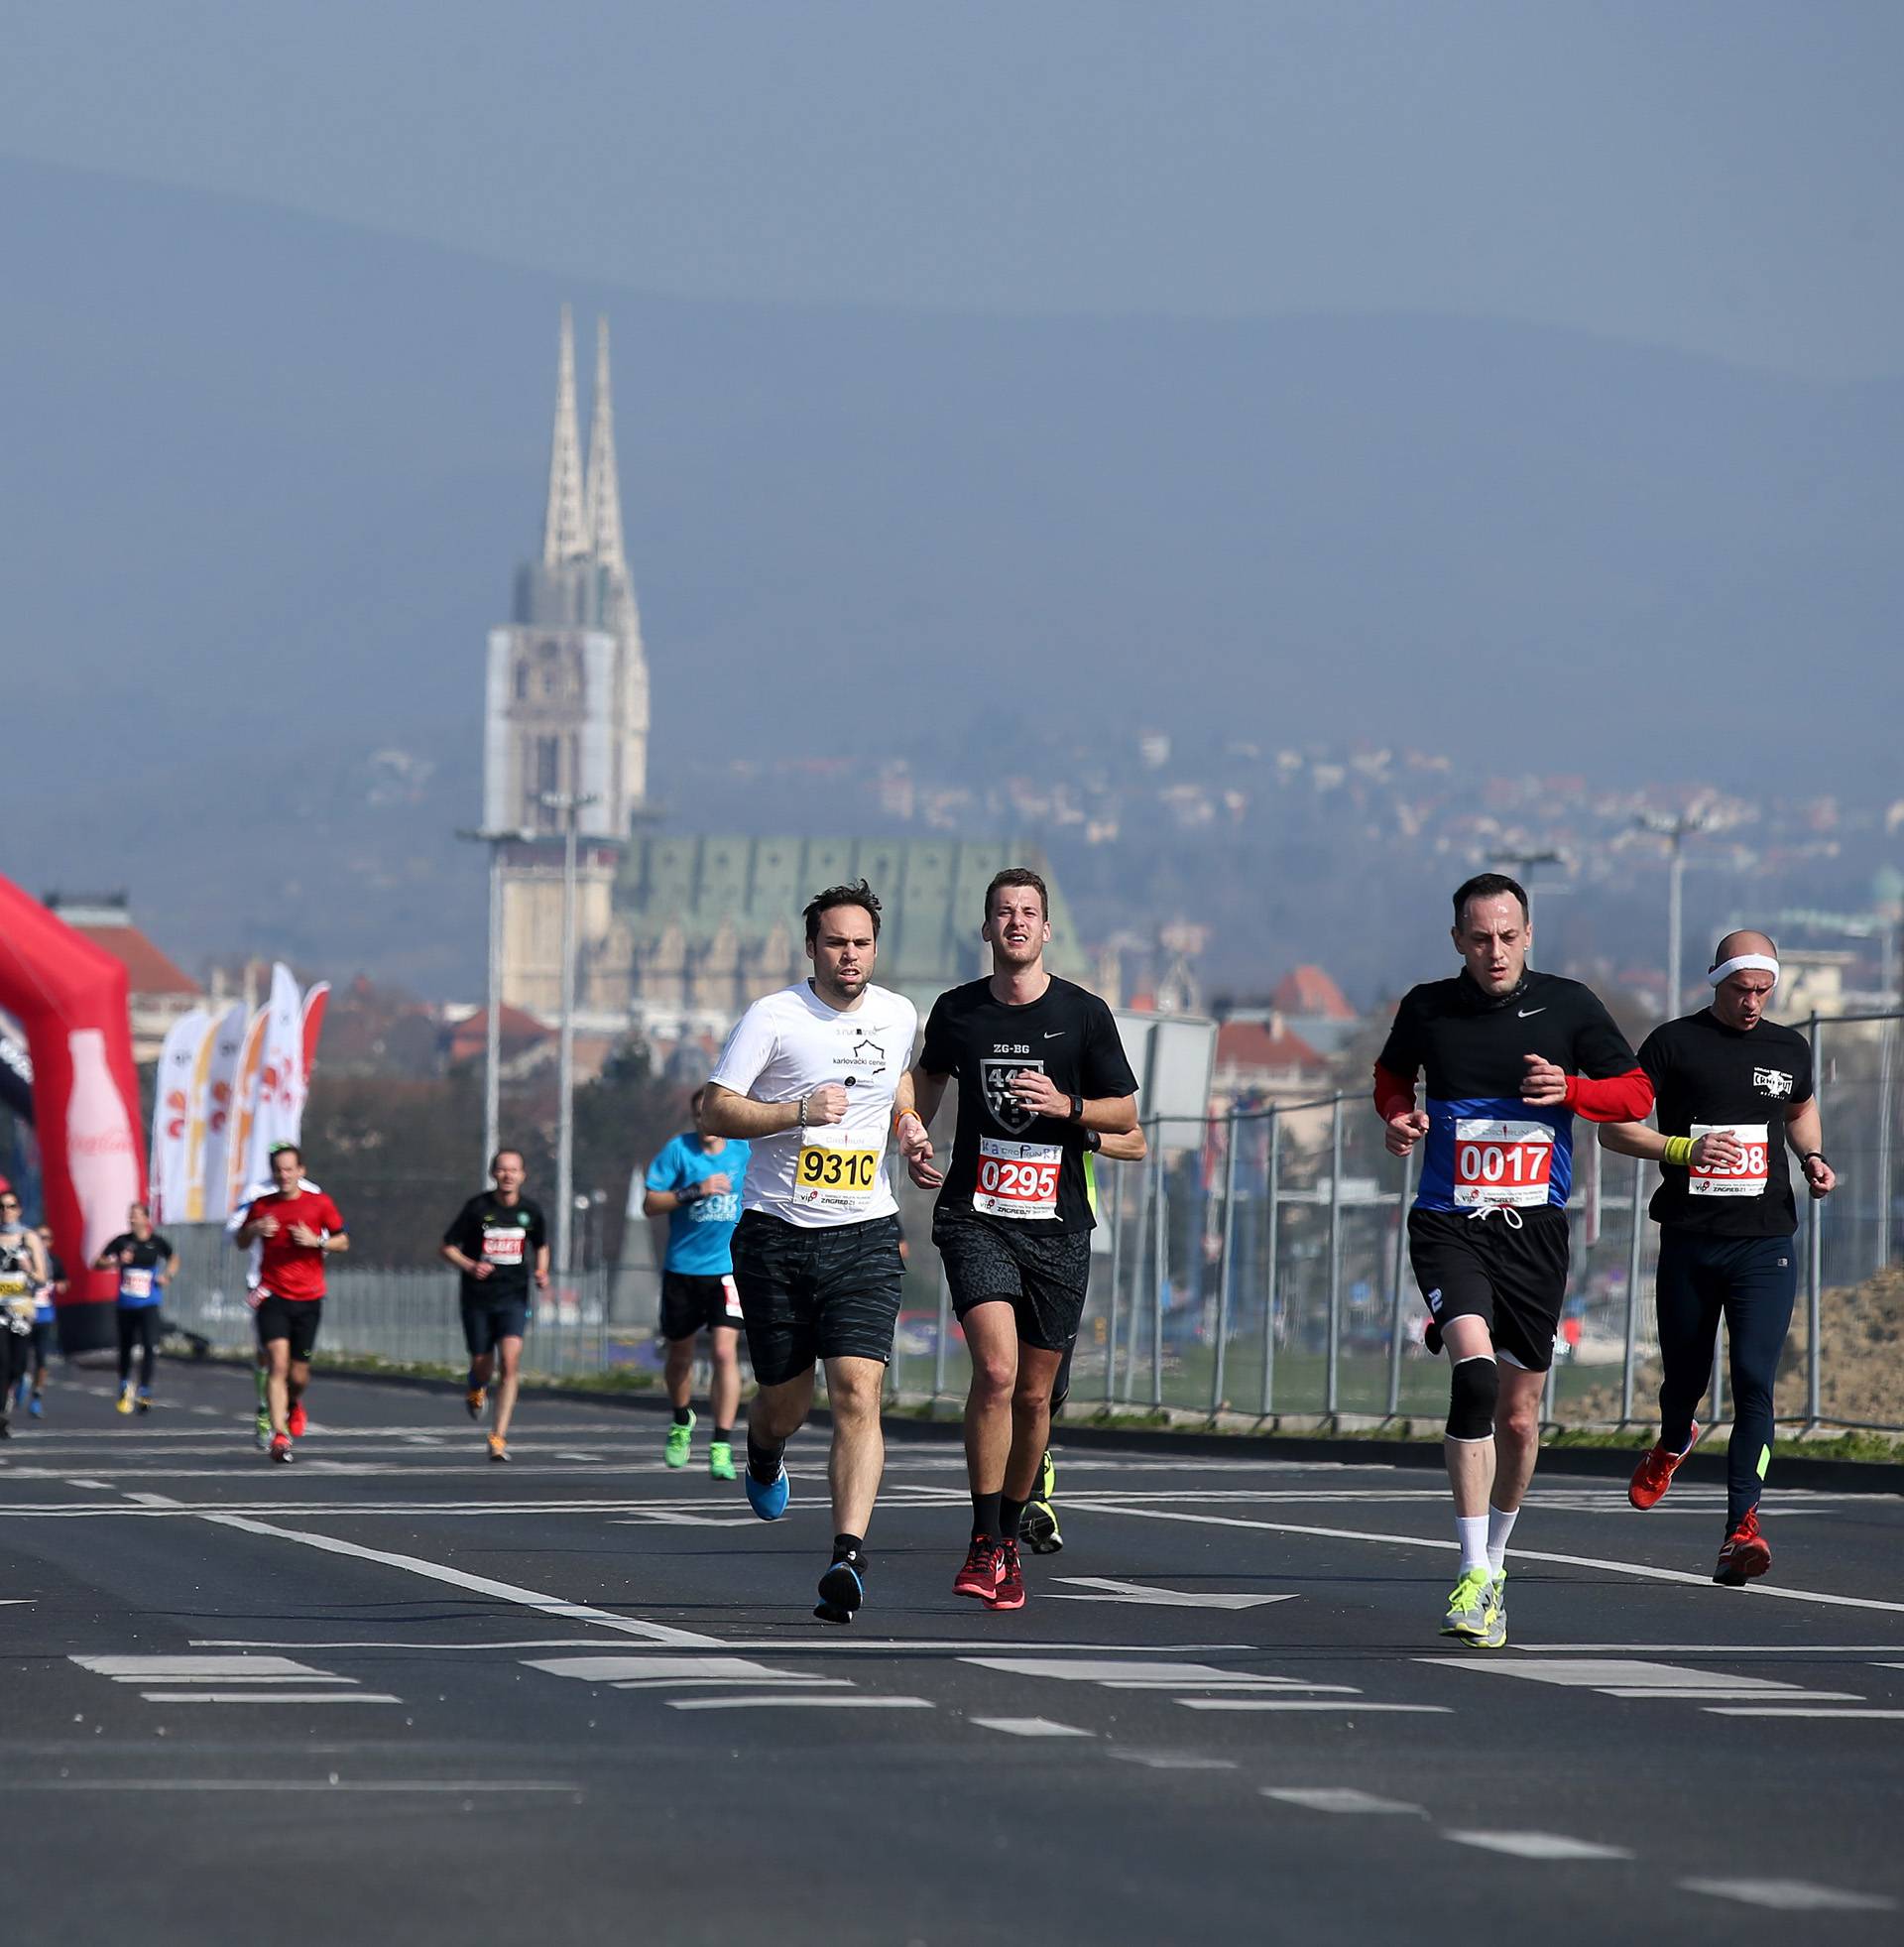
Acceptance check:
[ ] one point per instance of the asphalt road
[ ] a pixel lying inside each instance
(396, 1692)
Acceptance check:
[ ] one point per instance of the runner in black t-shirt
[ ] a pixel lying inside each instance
(500, 1244)
(1043, 1077)
(1734, 1090)
(1511, 1057)
(142, 1259)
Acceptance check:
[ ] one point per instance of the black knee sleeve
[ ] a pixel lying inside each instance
(1472, 1399)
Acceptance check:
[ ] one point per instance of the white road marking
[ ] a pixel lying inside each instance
(1536, 1845)
(1773, 1710)
(267, 1697)
(1176, 1761)
(452, 1786)
(1352, 1706)
(1789, 1895)
(800, 1699)
(625, 1673)
(1104, 1589)
(1340, 1798)
(571, 1612)
(179, 1669)
(1626, 1676)
(666, 1518)
(1032, 1727)
(1716, 1649)
(1182, 1676)
(1722, 1695)
(1644, 1570)
(81, 1481)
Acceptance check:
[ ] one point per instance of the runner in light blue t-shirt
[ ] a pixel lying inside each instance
(695, 1183)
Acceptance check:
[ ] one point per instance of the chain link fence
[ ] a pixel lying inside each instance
(1255, 1265)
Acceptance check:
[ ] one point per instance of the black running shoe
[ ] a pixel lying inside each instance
(842, 1590)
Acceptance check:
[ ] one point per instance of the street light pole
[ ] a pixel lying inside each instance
(571, 805)
(492, 1011)
(1675, 832)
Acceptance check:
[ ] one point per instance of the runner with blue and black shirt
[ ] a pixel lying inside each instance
(695, 1183)
(143, 1260)
(1510, 1056)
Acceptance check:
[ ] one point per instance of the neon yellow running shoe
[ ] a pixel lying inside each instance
(680, 1437)
(720, 1461)
(1496, 1636)
(1038, 1527)
(1470, 1605)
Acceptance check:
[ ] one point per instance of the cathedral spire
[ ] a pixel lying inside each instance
(563, 535)
(604, 487)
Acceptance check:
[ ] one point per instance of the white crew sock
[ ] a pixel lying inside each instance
(1472, 1529)
(1500, 1524)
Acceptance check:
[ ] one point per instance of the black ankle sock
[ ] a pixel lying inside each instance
(683, 1416)
(764, 1463)
(1010, 1514)
(985, 1514)
(724, 1437)
(850, 1548)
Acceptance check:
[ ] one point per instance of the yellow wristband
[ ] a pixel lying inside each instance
(1678, 1150)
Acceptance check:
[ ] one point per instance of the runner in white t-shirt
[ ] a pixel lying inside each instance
(813, 1077)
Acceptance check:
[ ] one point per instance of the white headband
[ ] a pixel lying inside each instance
(1763, 962)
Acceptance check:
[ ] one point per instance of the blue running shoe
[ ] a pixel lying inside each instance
(770, 1500)
(842, 1590)
(35, 1406)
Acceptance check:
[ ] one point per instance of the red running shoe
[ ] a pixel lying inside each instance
(1010, 1593)
(1744, 1554)
(295, 1422)
(1654, 1474)
(280, 1448)
(979, 1575)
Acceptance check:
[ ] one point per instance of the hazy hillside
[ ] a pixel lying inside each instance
(265, 481)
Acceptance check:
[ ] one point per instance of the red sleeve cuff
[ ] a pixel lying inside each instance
(1394, 1096)
(1613, 1098)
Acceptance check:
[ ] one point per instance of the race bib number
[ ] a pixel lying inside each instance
(503, 1247)
(13, 1285)
(1498, 1162)
(134, 1282)
(835, 1179)
(1753, 1172)
(731, 1300)
(1018, 1179)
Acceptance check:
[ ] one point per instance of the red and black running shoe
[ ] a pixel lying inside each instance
(1010, 1593)
(280, 1448)
(979, 1575)
(1745, 1553)
(1654, 1474)
(295, 1422)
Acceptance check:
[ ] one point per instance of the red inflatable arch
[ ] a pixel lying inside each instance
(71, 999)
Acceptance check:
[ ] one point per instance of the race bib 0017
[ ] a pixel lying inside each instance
(1018, 1179)
(835, 1179)
(503, 1247)
(1752, 1174)
(1502, 1162)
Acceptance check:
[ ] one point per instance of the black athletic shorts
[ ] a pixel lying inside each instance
(812, 1294)
(42, 1340)
(294, 1319)
(692, 1302)
(488, 1321)
(1512, 1280)
(1042, 1277)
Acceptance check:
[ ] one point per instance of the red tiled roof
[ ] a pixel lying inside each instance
(1308, 990)
(471, 1037)
(1248, 1045)
(148, 971)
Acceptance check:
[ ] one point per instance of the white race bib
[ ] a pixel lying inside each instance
(135, 1283)
(1498, 1162)
(1753, 1174)
(1018, 1179)
(503, 1247)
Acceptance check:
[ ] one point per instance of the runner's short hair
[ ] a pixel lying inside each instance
(508, 1149)
(1489, 886)
(861, 895)
(1016, 875)
(288, 1149)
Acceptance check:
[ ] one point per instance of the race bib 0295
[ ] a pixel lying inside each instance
(1018, 1179)
(1502, 1162)
(1753, 1172)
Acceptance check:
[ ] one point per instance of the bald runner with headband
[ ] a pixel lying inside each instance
(1734, 1094)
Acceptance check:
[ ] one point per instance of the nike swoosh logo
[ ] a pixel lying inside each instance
(1053, 1034)
(1527, 1013)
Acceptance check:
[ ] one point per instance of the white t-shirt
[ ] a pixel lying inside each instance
(784, 1047)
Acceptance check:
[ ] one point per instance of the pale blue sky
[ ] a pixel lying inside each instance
(1721, 175)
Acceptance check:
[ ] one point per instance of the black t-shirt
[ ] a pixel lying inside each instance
(506, 1237)
(1707, 1075)
(1484, 1145)
(1007, 1164)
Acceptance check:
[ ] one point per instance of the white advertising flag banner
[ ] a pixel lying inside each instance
(206, 1142)
(172, 1106)
(244, 1110)
(279, 1108)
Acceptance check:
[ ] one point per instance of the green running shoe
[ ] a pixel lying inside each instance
(720, 1461)
(680, 1437)
(1496, 1636)
(1470, 1606)
(264, 1429)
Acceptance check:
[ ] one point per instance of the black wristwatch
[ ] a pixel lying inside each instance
(1093, 1140)
(1077, 1108)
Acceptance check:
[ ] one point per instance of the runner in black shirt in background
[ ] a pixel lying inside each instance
(500, 1243)
(1734, 1090)
(1041, 1071)
(1511, 1057)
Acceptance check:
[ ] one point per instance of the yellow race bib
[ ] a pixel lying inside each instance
(834, 1178)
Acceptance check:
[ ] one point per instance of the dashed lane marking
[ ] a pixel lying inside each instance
(1789, 1895)
(1103, 1588)
(455, 1787)
(1174, 1761)
(1794, 1710)
(1341, 1799)
(1628, 1677)
(267, 1697)
(1032, 1727)
(800, 1700)
(1537, 1845)
(1352, 1706)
